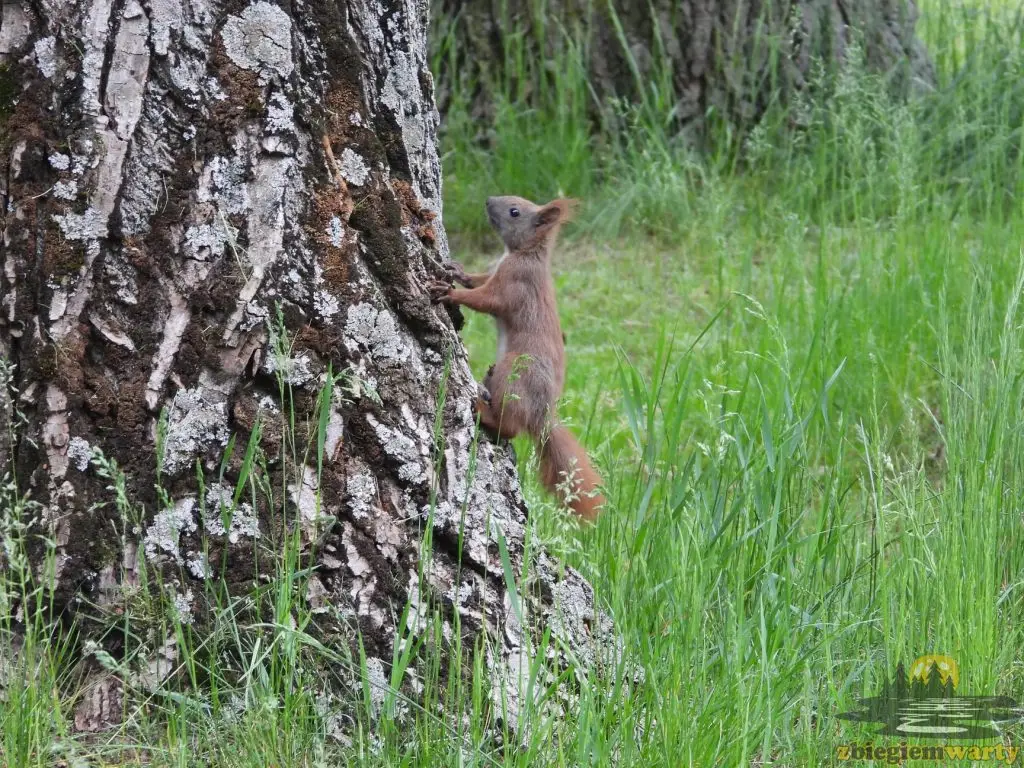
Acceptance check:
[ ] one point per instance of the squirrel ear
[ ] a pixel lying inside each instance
(556, 212)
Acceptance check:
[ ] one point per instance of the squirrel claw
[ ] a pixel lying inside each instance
(438, 290)
(458, 275)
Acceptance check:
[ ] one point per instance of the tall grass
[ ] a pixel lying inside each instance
(810, 439)
(842, 149)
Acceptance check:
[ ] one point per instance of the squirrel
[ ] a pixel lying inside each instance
(520, 392)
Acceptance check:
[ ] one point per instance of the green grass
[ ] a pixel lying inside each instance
(826, 484)
(797, 362)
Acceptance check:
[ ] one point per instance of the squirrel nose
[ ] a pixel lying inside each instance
(490, 202)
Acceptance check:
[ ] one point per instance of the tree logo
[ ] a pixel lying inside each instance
(925, 704)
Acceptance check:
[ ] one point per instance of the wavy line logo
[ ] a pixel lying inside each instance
(924, 704)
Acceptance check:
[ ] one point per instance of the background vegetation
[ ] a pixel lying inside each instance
(797, 360)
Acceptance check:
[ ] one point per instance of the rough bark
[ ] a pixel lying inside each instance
(179, 174)
(723, 57)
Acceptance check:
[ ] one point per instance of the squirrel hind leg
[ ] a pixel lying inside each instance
(499, 423)
(483, 394)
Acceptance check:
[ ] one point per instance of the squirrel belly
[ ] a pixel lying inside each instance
(518, 397)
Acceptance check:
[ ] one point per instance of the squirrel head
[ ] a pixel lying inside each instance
(523, 224)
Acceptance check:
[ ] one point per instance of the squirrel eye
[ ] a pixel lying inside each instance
(513, 212)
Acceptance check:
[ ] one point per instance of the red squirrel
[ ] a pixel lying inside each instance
(522, 388)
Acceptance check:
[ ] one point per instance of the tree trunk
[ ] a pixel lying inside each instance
(205, 207)
(728, 58)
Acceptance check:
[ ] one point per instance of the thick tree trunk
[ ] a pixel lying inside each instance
(182, 180)
(722, 57)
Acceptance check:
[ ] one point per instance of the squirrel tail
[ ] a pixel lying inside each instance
(567, 473)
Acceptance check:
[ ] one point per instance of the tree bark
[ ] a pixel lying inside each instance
(729, 58)
(184, 185)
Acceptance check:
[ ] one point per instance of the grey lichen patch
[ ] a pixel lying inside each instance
(120, 275)
(205, 241)
(198, 566)
(163, 535)
(326, 304)
(90, 225)
(296, 371)
(401, 448)
(222, 517)
(353, 168)
(280, 114)
(59, 161)
(377, 332)
(182, 604)
(65, 190)
(79, 453)
(336, 232)
(46, 56)
(362, 491)
(223, 181)
(378, 683)
(260, 40)
(403, 97)
(197, 420)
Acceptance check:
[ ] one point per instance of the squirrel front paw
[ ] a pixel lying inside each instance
(438, 290)
(457, 274)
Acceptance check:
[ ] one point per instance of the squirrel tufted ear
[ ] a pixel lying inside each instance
(556, 212)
